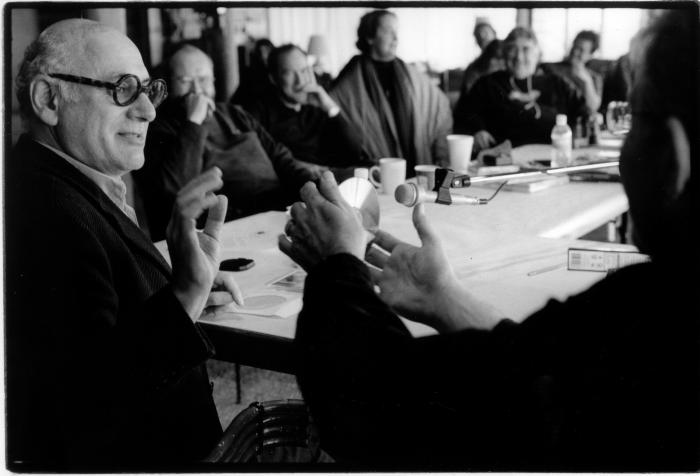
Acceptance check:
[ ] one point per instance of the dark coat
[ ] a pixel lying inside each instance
(104, 367)
(607, 381)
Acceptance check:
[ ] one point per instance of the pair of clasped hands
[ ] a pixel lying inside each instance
(417, 282)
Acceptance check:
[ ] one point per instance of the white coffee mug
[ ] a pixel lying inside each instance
(460, 148)
(425, 176)
(392, 173)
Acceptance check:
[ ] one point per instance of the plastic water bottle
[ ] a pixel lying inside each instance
(561, 142)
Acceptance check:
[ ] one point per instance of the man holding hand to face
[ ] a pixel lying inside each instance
(105, 361)
(303, 116)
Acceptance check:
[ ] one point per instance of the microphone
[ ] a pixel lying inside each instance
(409, 194)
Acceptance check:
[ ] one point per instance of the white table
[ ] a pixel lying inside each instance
(512, 252)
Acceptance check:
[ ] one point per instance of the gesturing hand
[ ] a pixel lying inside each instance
(413, 280)
(421, 285)
(483, 139)
(195, 255)
(316, 95)
(323, 225)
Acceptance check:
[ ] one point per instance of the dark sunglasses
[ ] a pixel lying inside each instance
(127, 88)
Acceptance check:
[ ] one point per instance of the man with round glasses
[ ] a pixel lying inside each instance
(105, 362)
(193, 133)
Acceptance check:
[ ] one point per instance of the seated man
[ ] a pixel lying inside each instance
(519, 104)
(303, 116)
(608, 380)
(193, 133)
(573, 68)
(105, 361)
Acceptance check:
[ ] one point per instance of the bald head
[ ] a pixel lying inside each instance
(191, 70)
(56, 50)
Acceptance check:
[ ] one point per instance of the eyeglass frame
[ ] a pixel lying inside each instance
(140, 88)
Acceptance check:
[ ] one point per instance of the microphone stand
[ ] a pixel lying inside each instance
(446, 178)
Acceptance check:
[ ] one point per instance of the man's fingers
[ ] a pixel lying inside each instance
(425, 230)
(329, 188)
(376, 274)
(376, 257)
(386, 241)
(196, 205)
(216, 216)
(219, 298)
(208, 181)
(227, 280)
(310, 195)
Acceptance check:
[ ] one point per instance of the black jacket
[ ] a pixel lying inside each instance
(105, 370)
(607, 381)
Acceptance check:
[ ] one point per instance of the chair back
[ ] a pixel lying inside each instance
(277, 431)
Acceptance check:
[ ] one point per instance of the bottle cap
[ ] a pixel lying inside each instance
(561, 119)
(361, 173)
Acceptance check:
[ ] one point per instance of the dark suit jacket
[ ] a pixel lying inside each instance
(104, 367)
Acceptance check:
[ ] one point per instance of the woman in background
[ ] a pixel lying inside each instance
(520, 103)
(399, 112)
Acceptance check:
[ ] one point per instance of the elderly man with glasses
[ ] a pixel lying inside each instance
(193, 133)
(105, 361)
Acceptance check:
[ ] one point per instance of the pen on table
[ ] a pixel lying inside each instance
(544, 270)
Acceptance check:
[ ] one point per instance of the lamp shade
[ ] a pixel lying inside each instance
(318, 46)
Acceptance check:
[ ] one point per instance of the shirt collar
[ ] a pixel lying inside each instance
(113, 187)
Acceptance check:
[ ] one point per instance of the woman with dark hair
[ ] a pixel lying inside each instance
(399, 112)
(520, 103)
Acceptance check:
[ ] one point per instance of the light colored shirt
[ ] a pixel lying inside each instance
(113, 187)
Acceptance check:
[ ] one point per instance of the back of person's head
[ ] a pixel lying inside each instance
(520, 32)
(260, 55)
(663, 190)
(369, 24)
(492, 51)
(56, 50)
(589, 35)
(277, 54)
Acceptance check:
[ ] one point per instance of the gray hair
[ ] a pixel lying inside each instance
(54, 51)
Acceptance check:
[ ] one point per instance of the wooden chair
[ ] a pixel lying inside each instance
(277, 431)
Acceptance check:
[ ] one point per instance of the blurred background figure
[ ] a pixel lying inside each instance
(484, 33)
(574, 69)
(397, 110)
(490, 60)
(302, 115)
(254, 79)
(520, 103)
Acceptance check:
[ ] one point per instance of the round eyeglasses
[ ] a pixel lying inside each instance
(127, 88)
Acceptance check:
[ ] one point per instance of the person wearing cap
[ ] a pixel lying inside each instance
(483, 32)
(519, 104)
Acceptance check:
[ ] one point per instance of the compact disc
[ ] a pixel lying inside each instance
(360, 194)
